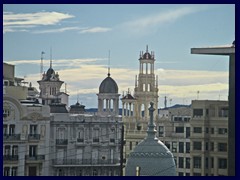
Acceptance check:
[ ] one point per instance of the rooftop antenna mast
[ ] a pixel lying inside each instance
(51, 57)
(41, 65)
(109, 63)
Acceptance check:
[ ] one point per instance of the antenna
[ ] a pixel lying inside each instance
(77, 97)
(108, 63)
(198, 94)
(41, 65)
(51, 57)
(165, 101)
(66, 88)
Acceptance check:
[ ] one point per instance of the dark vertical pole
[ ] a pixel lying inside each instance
(121, 151)
(231, 117)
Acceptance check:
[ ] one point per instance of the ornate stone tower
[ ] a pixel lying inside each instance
(108, 97)
(135, 107)
(146, 86)
(50, 86)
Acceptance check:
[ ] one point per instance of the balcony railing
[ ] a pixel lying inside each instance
(84, 161)
(80, 140)
(112, 140)
(10, 157)
(11, 137)
(95, 140)
(61, 141)
(35, 158)
(34, 137)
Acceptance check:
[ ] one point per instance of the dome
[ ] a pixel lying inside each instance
(49, 73)
(151, 155)
(108, 85)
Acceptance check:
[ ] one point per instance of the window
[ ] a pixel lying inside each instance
(136, 143)
(197, 145)
(15, 150)
(33, 129)
(212, 130)
(32, 151)
(197, 112)
(95, 172)
(222, 130)
(187, 132)
(187, 163)
(186, 119)
(206, 146)
(212, 146)
(206, 130)
(14, 171)
(130, 145)
(212, 162)
(223, 112)
(187, 147)
(6, 171)
(180, 162)
(160, 131)
(5, 129)
(222, 163)
(167, 144)
(187, 174)
(181, 147)
(7, 150)
(206, 162)
(12, 129)
(174, 146)
(179, 129)
(222, 147)
(180, 174)
(197, 162)
(197, 130)
(177, 119)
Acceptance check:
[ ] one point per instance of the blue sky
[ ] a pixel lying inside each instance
(82, 35)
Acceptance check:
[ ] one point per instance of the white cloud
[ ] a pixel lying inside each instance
(150, 22)
(58, 30)
(95, 30)
(13, 22)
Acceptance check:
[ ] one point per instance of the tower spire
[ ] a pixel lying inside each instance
(108, 63)
(151, 125)
(147, 49)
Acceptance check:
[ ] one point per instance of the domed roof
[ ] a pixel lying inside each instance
(49, 73)
(151, 155)
(108, 85)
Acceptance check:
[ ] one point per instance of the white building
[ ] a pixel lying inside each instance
(26, 131)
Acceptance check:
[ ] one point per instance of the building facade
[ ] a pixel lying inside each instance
(26, 132)
(197, 136)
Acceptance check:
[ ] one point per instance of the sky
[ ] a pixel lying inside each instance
(80, 37)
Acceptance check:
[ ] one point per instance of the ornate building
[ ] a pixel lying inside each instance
(26, 131)
(49, 86)
(87, 144)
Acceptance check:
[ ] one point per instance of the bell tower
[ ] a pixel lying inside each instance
(146, 86)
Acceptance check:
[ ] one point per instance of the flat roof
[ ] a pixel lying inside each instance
(215, 50)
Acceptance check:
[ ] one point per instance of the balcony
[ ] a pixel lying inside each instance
(10, 157)
(112, 140)
(96, 140)
(11, 137)
(86, 162)
(80, 140)
(61, 142)
(34, 137)
(35, 159)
